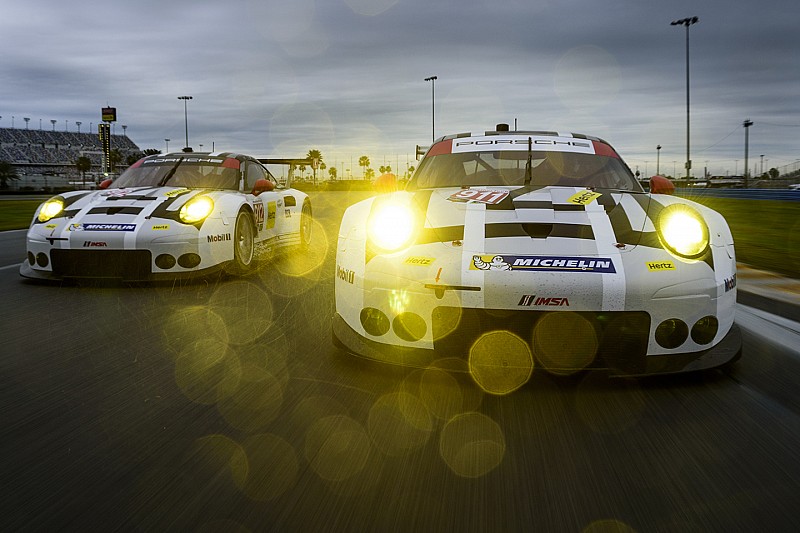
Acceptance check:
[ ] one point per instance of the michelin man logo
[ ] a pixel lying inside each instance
(497, 263)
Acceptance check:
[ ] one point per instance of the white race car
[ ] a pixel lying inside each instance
(167, 216)
(514, 250)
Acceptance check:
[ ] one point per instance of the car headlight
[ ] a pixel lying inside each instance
(683, 231)
(391, 227)
(51, 208)
(196, 209)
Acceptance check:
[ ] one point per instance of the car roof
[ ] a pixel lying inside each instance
(522, 133)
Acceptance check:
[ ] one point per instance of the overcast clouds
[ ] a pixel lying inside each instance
(276, 78)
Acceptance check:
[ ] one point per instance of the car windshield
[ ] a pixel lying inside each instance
(191, 172)
(468, 169)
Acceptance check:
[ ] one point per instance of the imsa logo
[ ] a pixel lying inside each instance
(730, 283)
(528, 300)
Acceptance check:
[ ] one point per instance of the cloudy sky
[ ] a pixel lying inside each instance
(279, 77)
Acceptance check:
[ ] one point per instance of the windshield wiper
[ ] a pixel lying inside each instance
(169, 174)
(528, 165)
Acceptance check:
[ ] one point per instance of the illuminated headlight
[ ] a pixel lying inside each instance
(682, 231)
(51, 208)
(391, 227)
(196, 209)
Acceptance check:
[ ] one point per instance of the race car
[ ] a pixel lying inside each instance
(168, 216)
(514, 250)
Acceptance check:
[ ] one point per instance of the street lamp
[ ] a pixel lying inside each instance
(53, 122)
(26, 119)
(185, 117)
(78, 122)
(167, 141)
(747, 123)
(124, 130)
(686, 22)
(433, 79)
(658, 159)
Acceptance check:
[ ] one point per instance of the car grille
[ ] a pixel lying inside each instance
(124, 264)
(622, 337)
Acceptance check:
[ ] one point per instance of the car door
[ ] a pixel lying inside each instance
(266, 206)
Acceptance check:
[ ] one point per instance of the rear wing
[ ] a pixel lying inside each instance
(293, 164)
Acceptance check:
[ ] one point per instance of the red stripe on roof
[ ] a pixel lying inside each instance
(444, 147)
(137, 164)
(231, 163)
(604, 149)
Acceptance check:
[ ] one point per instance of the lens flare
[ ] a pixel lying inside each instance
(500, 362)
(472, 445)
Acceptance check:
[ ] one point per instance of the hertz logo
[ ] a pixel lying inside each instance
(656, 266)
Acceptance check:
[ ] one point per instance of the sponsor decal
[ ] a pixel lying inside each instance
(162, 160)
(730, 283)
(258, 209)
(287, 213)
(271, 215)
(536, 263)
(280, 202)
(172, 194)
(584, 197)
(102, 227)
(345, 274)
(520, 143)
(219, 238)
(94, 244)
(160, 227)
(531, 299)
(483, 196)
(51, 226)
(657, 266)
(419, 261)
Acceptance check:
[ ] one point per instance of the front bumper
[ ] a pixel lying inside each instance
(620, 356)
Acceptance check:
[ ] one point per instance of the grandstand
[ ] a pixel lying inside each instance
(46, 159)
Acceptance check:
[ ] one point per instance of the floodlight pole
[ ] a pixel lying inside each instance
(747, 123)
(687, 22)
(433, 79)
(185, 117)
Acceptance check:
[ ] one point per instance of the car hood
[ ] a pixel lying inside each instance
(126, 203)
(553, 221)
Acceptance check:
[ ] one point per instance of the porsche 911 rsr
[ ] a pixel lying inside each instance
(514, 250)
(168, 215)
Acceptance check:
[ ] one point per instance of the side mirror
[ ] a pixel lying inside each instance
(105, 184)
(661, 185)
(386, 183)
(263, 185)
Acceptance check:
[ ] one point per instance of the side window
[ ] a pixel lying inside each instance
(254, 172)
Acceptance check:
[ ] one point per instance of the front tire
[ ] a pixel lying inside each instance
(306, 223)
(243, 244)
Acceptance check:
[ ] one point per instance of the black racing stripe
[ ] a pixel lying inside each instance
(74, 198)
(441, 234)
(569, 207)
(508, 204)
(533, 204)
(115, 210)
(539, 231)
(608, 202)
(421, 199)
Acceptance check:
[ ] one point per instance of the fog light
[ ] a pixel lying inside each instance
(189, 260)
(41, 259)
(705, 329)
(671, 333)
(165, 261)
(374, 321)
(31, 258)
(409, 326)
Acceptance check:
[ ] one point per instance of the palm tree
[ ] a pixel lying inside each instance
(83, 165)
(363, 161)
(332, 173)
(7, 172)
(316, 160)
(114, 158)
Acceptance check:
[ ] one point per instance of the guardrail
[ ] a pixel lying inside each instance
(741, 194)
